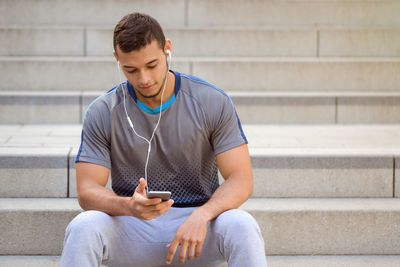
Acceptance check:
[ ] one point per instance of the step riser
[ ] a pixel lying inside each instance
(39, 173)
(305, 176)
(397, 177)
(89, 12)
(274, 176)
(71, 74)
(192, 12)
(41, 42)
(316, 231)
(305, 76)
(240, 12)
(209, 42)
(359, 43)
(273, 261)
(229, 75)
(33, 182)
(327, 233)
(292, 179)
(34, 233)
(308, 110)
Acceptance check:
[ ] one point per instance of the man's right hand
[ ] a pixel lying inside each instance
(144, 208)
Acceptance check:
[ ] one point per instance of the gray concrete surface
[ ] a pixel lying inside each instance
(363, 110)
(273, 261)
(328, 226)
(279, 107)
(222, 41)
(229, 74)
(240, 12)
(26, 223)
(64, 73)
(39, 107)
(371, 42)
(288, 161)
(289, 226)
(41, 41)
(89, 12)
(33, 172)
(310, 74)
(396, 182)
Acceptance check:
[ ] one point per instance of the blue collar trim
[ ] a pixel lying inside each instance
(157, 109)
(176, 89)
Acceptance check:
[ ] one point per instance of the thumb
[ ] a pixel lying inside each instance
(141, 188)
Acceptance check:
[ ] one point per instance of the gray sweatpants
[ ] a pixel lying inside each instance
(93, 238)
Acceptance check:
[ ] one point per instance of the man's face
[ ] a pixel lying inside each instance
(145, 69)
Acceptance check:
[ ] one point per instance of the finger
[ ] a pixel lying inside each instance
(190, 255)
(152, 202)
(172, 250)
(156, 208)
(182, 252)
(163, 205)
(141, 188)
(199, 249)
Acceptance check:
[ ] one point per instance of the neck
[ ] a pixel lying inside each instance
(154, 102)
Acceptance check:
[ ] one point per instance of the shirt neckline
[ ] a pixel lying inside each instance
(165, 105)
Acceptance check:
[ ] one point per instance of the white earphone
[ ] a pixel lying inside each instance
(169, 56)
(159, 118)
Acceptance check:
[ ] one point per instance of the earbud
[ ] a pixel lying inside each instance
(169, 56)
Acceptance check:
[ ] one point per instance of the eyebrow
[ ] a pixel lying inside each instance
(148, 63)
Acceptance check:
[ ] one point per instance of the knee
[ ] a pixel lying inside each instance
(237, 222)
(88, 222)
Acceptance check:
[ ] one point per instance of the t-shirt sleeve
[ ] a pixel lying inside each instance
(95, 144)
(227, 130)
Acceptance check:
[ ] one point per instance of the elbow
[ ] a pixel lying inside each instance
(251, 188)
(82, 200)
(250, 185)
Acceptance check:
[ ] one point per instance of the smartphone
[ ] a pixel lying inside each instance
(164, 195)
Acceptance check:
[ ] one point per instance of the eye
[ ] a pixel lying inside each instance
(152, 67)
(132, 71)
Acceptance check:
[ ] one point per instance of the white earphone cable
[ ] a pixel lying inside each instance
(155, 128)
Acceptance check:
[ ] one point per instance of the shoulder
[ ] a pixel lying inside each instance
(104, 104)
(202, 90)
(214, 102)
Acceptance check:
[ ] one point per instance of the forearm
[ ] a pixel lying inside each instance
(97, 197)
(230, 195)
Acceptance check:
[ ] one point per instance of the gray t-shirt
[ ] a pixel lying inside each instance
(196, 125)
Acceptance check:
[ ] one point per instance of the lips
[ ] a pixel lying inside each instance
(146, 88)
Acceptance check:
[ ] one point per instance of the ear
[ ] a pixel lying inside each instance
(115, 55)
(168, 45)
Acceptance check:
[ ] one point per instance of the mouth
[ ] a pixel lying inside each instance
(147, 88)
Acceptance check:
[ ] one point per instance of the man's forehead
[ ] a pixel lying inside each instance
(152, 47)
(144, 56)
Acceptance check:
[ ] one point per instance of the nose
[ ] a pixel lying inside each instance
(144, 77)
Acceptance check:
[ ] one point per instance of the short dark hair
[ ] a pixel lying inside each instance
(137, 30)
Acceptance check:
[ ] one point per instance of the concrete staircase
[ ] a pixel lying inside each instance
(315, 82)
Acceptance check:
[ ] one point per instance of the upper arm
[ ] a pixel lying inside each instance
(235, 160)
(95, 139)
(226, 130)
(89, 174)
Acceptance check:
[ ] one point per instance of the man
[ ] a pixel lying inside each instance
(197, 134)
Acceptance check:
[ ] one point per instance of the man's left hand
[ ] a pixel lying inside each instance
(190, 236)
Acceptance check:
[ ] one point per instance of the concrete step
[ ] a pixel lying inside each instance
(273, 261)
(206, 12)
(253, 107)
(229, 74)
(210, 41)
(289, 226)
(288, 161)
